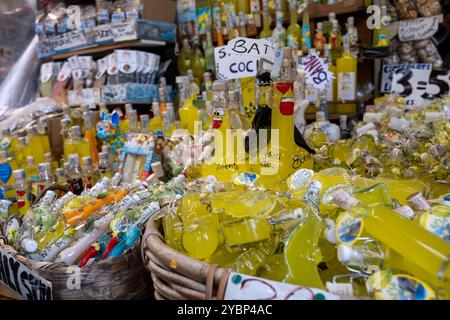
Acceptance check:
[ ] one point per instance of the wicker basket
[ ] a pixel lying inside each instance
(179, 277)
(120, 278)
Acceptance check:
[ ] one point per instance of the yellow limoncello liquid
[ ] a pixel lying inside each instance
(46, 238)
(188, 115)
(302, 254)
(416, 244)
(200, 236)
(346, 77)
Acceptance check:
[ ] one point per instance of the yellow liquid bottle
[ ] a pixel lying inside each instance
(198, 63)
(43, 135)
(184, 58)
(293, 32)
(80, 145)
(200, 237)
(20, 182)
(90, 135)
(188, 112)
(302, 253)
(417, 245)
(7, 178)
(34, 145)
(346, 68)
(266, 32)
(9, 143)
(291, 157)
(156, 123)
(331, 91)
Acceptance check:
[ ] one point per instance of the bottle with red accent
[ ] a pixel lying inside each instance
(20, 179)
(75, 175)
(90, 173)
(45, 176)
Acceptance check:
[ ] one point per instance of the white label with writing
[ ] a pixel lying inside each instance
(127, 60)
(112, 64)
(418, 29)
(412, 84)
(85, 64)
(68, 41)
(22, 280)
(102, 66)
(103, 33)
(257, 48)
(244, 287)
(65, 72)
(346, 86)
(124, 31)
(46, 72)
(232, 66)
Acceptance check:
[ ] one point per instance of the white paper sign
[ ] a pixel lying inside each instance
(124, 31)
(318, 75)
(418, 29)
(412, 84)
(389, 69)
(257, 48)
(23, 281)
(232, 66)
(244, 287)
(68, 41)
(103, 33)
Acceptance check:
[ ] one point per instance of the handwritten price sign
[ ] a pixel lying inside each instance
(420, 85)
(418, 29)
(317, 71)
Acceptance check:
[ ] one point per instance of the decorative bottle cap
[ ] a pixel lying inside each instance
(60, 172)
(74, 159)
(75, 131)
(29, 245)
(406, 212)
(87, 162)
(19, 174)
(344, 200)
(365, 128)
(48, 156)
(418, 202)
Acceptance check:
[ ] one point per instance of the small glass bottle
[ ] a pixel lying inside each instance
(90, 173)
(49, 159)
(20, 180)
(75, 175)
(104, 165)
(61, 178)
(45, 178)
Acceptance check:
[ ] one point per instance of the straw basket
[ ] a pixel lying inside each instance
(179, 277)
(120, 278)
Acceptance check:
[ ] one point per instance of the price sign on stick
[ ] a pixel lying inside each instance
(241, 56)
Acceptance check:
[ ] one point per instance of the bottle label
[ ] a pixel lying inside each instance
(405, 211)
(292, 41)
(437, 221)
(306, 36)
(401, 287)
(346, 86)
(299, 178)
(348, 228)
(203, 15)
(76, 186)
(247, 178)
(340, 289)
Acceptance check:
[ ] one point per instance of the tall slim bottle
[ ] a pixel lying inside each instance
(279, 33)
(294, 31)
(306, 30)
(90, 134)
(75, 175)
(346, 68)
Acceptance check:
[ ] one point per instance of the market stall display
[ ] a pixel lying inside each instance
(277, 150)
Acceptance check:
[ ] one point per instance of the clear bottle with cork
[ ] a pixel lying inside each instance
(346, 67)
(75, 174)
(61, 178)
(20, 185)
(45, 178)
(105, 166)
(145, 123)
(156, 123)
(90, 173)
(352, 33)
(279, 32)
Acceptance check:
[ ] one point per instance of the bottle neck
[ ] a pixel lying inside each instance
(294, 15)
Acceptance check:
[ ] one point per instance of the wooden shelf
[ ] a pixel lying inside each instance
(109, 47)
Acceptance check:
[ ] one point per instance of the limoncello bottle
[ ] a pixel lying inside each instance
(90, 135)
(279, 33)
(35, 145)
(301, 251)
(346, 68)
(8, 165)
(197, 59)
(188, 112)
(294, 32)
(20, 180)
(184, 58)
(81, 145)
(266, 32)
(156, 123)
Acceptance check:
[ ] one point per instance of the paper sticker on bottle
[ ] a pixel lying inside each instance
(46, 72)
(346, 86)
(247, 178)
(437, 221)
(202, 19)
(299, 179)
(348, 228)
(127, 60)
(5, 172)
(403, 287)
